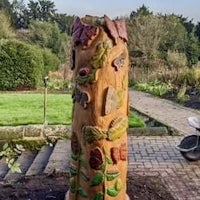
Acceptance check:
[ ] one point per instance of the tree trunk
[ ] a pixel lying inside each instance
(100, 110)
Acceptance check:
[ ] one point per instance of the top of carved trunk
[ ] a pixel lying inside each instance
(85, 29)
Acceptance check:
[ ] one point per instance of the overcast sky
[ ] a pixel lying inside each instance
(113, 8)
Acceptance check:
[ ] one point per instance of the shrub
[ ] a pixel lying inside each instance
(51, 61)
(154, 87)
(21, 65)
(6, 30)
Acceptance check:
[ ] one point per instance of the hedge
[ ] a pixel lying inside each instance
(21, 65)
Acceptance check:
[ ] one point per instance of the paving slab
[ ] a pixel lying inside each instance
(166, 112)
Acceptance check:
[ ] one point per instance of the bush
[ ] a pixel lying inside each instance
(6, 30)
(21, 65)
(51, 61)
(154, 87)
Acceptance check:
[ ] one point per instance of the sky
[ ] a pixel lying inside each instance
(114, 8)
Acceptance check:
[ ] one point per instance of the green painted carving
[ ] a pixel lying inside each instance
(111, 191)
(74, 157)
(98, 196)
(73, 170)
(97, 62)
(120, 97)
(109, 160)
(83, 162)
(87, 79)
(84, 176)
(111, 175)
(93, 133)
(118, 128)
(114, 190)
(101, 54)
(72, 185)
(97, 179)
(118, 184)
(82, 192)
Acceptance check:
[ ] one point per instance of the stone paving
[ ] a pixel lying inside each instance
(164, 111)
(157, 156)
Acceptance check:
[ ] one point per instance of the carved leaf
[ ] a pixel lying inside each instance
(93, 133)
(118, 129)
(98, 196)
(121, 28)
(101, 54)
(118, 184)
(82, 192)
(98, 178)
(112, 175)
(111, 27)
(72, 185)
(73, 170)
(84, 176)
(111, 191)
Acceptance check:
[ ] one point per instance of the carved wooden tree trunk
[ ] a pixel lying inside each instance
(99, 128)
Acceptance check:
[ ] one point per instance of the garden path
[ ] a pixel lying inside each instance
(166, 112)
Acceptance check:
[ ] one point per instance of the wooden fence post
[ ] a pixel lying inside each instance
(100, 62)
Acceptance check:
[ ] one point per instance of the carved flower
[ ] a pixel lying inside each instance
(96, 158)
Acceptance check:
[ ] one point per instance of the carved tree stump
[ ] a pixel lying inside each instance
(99, 128)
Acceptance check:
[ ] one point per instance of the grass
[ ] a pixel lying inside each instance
(28, 108)
(25, 108)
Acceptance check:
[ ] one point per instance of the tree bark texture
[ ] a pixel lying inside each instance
(100, 109)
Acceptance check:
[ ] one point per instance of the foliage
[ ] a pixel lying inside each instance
(135, 121)
(64, 22)
(176, 60)
(145, 34)
(51, 61)
(48, 35)
(6, 30)
(41, 10)
(10, 153)
(155, 87)
(21, 65)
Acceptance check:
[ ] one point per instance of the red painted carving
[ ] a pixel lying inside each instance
(81, 33)
(96, 158)
(116, 28)
(115, 155)
(123, 152)
(121, 28)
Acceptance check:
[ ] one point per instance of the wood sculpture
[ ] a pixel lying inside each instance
(99, 128)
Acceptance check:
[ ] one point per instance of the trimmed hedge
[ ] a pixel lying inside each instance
(23, 66)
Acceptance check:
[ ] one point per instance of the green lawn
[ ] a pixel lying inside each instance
(25, 108)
